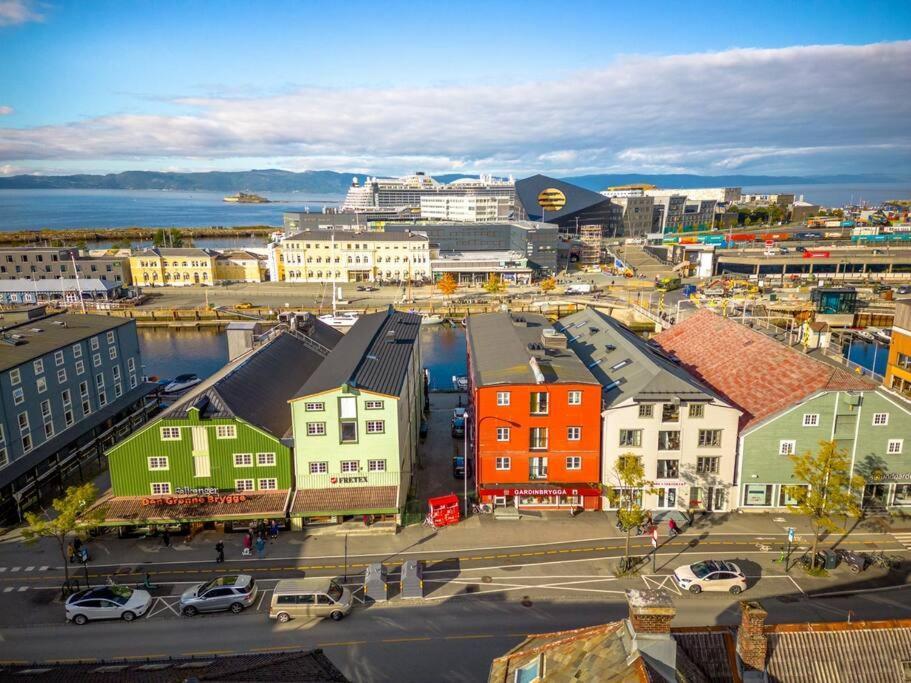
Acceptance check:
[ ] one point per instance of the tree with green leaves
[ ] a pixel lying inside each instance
(69, 516)
(629, 485)
(170, 238)
(827, 489)
(494, 284)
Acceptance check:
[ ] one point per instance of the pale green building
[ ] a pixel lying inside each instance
(356, 423)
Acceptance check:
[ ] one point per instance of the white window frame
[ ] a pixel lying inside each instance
(373, 405)
(314, 406)
(77, 350)
(810, 419)
(316, 429)
(267, 484)
(93, 344)
(170, 433)
(58, 358)
(880, 419)
(503, 398)
(243, 460)
(158, 463)
(899, 445)
(349, 466)
(577, 395)
(15, 376)
(376, 465)
(372, 426)
(18, 396)
(225, 431)
(318, 467)
(110, 337)
(112, 352)
(96, 360)
(503, 463)
(164, 488)
(574, 462)
(61, 376)
(41, 384)
(577, 431)
(80, 367)
(265, 459)
(38, 365)
(787, 447)
(131, 364)
(503, 434)
(244, 485)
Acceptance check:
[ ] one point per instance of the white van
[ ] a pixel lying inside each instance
(313, 597)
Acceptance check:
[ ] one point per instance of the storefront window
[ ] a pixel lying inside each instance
(667, 498)
(786, 495)
(902, 494)
(757, 495)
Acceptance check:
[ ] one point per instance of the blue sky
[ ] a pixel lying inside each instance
(563, 87)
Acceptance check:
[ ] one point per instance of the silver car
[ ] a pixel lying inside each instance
(107, 602)
(224, 593)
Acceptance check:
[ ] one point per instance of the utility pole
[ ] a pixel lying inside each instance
(78, 285)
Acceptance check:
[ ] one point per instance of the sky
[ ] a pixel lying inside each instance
(387, 87)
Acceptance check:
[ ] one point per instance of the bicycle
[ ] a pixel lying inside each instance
(883, 561)
(428, 521)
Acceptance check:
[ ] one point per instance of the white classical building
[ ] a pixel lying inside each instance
(344, 256)
(470, 207)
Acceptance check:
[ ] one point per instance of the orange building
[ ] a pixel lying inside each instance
(898, 370)
(534, 415)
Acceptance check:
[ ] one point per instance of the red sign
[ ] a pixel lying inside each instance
(816, 254)
(531, 491)
(195, 500)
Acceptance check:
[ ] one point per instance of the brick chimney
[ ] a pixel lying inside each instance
(751, 638)
(650, 611)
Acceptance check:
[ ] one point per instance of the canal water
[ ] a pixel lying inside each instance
(167, 353)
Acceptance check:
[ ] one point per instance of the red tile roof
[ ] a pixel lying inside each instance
(758, 374)
(345, 499)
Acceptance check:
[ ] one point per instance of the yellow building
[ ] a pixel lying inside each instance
(898, 370)
(176, 267)
(240, 266)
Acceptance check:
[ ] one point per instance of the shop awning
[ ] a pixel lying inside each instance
(122, 510)
(541, 490)
(345, 500)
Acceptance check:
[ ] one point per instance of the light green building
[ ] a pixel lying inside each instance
(356, 424)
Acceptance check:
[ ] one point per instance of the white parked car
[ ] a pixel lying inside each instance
(711, 575)
(107, 602)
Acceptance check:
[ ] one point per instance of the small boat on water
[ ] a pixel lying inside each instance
(431, 319)
(460, 382)
(181, 383)
(340, 319)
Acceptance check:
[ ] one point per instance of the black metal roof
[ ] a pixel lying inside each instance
(372, 356)
(577, 198)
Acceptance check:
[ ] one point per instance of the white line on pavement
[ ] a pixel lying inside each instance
(9, 589)
(15, 569)
(22, 589)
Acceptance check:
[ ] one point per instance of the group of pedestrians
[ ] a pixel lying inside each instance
(255, 537)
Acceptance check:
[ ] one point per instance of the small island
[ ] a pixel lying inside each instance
(246, 198)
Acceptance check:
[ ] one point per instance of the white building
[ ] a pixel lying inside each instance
(684, 434)
(396, 193)
(625, 192)
(343, 256)
(722, 195)
(469, 207)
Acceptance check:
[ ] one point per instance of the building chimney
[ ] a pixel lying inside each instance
(751, 638)
(650, 611)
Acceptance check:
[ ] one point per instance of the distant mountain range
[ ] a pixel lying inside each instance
(337, 183)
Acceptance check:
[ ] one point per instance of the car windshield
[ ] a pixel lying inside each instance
(220, 581)
(335, 591)
(703, 569)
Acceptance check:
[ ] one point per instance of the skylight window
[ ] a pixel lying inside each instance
(594, 363)
(621, 364)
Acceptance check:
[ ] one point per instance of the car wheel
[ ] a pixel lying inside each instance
(80, 619)
(128, 616)
(855, 569)
(696, 589)
(283, 617)
(237, 608)
(336, 616)
(736, 590)
(190, 611)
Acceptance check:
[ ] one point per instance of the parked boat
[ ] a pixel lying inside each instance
(431, 319)
(460, 382)
(340, 319)
(181, 383)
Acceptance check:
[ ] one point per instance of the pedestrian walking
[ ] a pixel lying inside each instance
(166, 538)
(672, 527)
(71, 553)
(261, 529)
(260, 547)
(248, 544)
(273, 530)
(220, 549)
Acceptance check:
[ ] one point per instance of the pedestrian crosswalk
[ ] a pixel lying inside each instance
(904, 538)
(29, 568)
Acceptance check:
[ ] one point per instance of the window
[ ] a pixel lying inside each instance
(757, 495)
(48, 430)
(503, 464)
(45, 409)
(170, 433)
(708, 465)
(39, 366)
(133, 381)
(226, 431)
(669, 441)
(575, 398)
(348, 432)
(80, 367)
(4, 458)
(161, 488)
(68, 418)
(539, 403)
(131, 364)
(646, 410)
(574, 433)
(791, 495)
(319, 467)
(41, 385)
(96, 360)
(538, 439)
(895, 446)
(58, 358)
(502, 433)
(158, 462)
(786, 447)
(265, 459)
(315, 407)
(241, 485)
(811, 420)
(15, 376)
(270, 484)
(670, 412)
(61, 376)
(115, 370)
(243, 460)
(347, 407)
(697, 410)
(93, 343)
(118, 390)
(110, 337)
(376, 426)
(99, 379)
(376, 465)
(668, 469)
(112, 352)
(351, 466)
(709, 438)
(574, 462)
(631, 437)
(537, 468)
(880, 419)
(26, 443)
(77, 350)
(316, 429)
(502, 398)
(18, 396)
(373, 405)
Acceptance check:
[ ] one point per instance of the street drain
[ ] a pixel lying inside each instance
(526, 601)
(486, 579)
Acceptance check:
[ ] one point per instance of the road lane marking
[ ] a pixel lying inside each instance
(15, 569)
(28, 569)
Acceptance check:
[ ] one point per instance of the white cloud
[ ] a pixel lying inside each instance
(14, 12)
(833, 108)
(5, 110)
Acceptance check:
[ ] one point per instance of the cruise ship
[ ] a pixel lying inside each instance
(398, 193)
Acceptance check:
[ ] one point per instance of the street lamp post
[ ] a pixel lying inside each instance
(476, 437)
(465, 462)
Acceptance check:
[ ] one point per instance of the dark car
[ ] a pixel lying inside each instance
(458, 467)
(367, 288)
(903, 289)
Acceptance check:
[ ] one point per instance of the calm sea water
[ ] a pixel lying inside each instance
(60, 209)
(168, 353)
(839, 195)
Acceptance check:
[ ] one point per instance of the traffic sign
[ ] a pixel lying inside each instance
(654, 537)
(790, 534)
